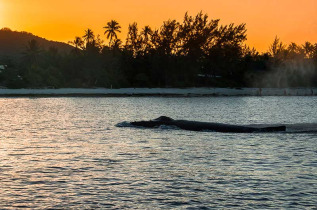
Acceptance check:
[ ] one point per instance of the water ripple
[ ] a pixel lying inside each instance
(66, 153)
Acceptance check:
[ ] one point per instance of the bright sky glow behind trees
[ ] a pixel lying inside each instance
(62, 20)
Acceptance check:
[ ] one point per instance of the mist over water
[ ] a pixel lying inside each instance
(291, 73)
(68, 153)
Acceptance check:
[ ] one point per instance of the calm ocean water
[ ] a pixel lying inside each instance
(63, 153)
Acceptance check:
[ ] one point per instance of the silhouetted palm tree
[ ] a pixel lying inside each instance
(78, 42)
(117, 43)
(89, 35)
(146, 32)
(146, 36)
(111, 30)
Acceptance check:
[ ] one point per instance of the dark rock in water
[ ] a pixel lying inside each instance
(201, 126)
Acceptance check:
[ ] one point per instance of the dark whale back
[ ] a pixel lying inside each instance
(163, 119)
(201, 126)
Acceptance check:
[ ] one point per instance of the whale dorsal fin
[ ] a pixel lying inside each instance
(163, 118)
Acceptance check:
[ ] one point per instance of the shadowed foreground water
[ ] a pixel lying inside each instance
(67, 153)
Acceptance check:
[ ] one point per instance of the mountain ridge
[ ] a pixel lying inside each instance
(13, 43)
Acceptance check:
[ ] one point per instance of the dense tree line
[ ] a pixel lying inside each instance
(192, 53)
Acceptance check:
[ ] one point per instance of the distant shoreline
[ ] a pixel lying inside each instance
(163, 92)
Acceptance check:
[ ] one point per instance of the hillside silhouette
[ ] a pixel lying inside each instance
(13, 43)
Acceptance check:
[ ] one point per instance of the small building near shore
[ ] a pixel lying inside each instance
(203, 80)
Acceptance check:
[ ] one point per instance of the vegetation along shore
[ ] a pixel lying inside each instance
(197, 52)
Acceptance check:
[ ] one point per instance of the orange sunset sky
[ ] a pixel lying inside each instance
(62, 20)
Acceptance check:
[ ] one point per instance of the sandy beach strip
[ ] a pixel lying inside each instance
(177, 92)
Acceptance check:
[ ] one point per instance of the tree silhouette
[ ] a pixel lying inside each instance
(112, 28)
(309, 49)
(98, 42)
(196, 51)
(295, 51)
(276, 48)
(146, 34)
(133, 39)
(168, 33)
(117, 44)
(32, 52)
(89, 36)
(78, 42)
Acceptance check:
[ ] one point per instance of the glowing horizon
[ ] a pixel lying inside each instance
(60, 20)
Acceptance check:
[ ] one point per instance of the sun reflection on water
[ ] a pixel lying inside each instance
(67, 153)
